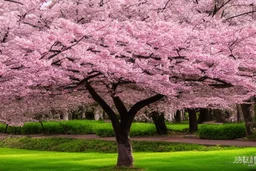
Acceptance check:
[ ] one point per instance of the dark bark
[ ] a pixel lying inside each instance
(204, 115)
(159, 122)
(247, 118)
(104, 115)
(104, 105)
(6, 127)
(43, 130)
(89, 115)
(239, 113)
(124, 148)
(14, 2)
(122, 127)
(125, 157)
(193, 127)
(139, 105)
(177, 116)
(219, 115)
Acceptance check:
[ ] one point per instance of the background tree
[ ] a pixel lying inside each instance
(204, 115)
(193, 124)
(248, 112)
(177, 116)
(159, 121)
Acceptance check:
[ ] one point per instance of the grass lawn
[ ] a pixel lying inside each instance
(177, 126)
(28, 160)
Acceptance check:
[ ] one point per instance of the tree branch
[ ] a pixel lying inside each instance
(85, 80)
(239, 15)
(5, 35)
(139, 105)
(220, 83)
(104, 105)
(57, 52)
(14, 2)
(165, 6)
(216, 9)
(120, 107)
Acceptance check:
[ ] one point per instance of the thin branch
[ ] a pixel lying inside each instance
(14, 2)
(219, 84)
(57, 52)
(151, 56)
(5, 35)
(101, 3)
(166, 4)
(239, 15)
(223, 84)
(215, 10)
(89, 77)
(32, 25)
(81, 19)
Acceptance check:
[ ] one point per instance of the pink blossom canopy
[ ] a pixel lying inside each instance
(197, 53)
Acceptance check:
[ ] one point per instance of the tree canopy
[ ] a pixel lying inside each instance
(194, 53)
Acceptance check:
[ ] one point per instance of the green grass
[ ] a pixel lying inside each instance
(26, 160)
(180, 127)
(82, 145)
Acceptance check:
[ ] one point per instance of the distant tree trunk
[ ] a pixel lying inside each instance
(81, 112)
(193, 127)
(159, 122)
(219, 115)
(104, 115)
(177, 116)
(65, 116)
(253, 110)
(6, 127)
(89, 115)
(246, 109)
(43, 130)
(239, 113)
(204, 115)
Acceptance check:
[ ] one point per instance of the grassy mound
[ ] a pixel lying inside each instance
(82, 145)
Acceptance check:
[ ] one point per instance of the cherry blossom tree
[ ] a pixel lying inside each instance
(125, 53)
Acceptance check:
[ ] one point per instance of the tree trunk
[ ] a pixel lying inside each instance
(159, 122)
(89, 115)
(192, 120)
(43, 130)
(6, 127)
(177, 116)
(65, 116)
(239, 113)
(124, 149)
(247, 118)
(204, 115)
(219, 115)
(122, 126)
